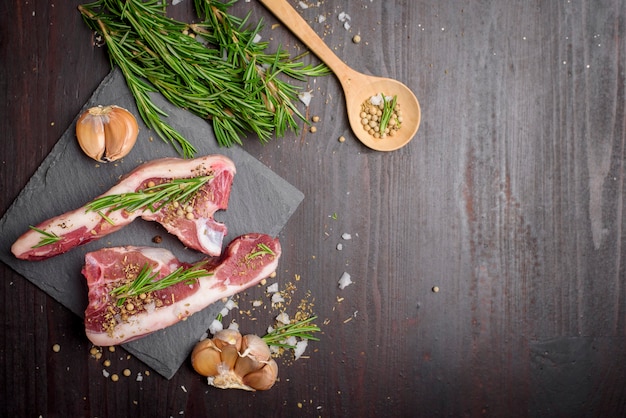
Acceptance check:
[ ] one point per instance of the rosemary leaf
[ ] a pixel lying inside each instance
(146, 282)
(388, 107)
(302, 330)
(263, 249)
(47, 238)
(150, 198)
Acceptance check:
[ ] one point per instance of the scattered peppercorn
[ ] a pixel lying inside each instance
(157, 239)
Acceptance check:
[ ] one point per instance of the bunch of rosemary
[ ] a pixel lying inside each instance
(216, 69)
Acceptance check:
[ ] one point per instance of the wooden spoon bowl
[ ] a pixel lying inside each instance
(357, 87)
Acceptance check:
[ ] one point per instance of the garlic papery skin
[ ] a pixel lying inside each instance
(230, 361)
(106, 133)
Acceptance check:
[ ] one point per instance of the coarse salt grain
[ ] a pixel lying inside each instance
(303, 5)
(273, 288)
(346, 236)
(215, 327)
(230, 304)
(300, 348)
(283, 318)
(291, 340)
(344, 281)
(305, 97)
(343, 17)
(277, 298)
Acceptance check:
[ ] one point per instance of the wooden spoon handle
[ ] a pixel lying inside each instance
(299, 27)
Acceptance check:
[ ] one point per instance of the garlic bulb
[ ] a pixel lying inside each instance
(106, 133)
(232, 361)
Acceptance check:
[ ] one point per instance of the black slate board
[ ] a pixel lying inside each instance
(260, 201)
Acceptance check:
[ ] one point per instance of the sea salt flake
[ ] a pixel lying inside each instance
(344, 281)
(283, 318)
(343, 17)
(305, 97)
(303, 5)
(277, 298)
(300, 348)
(215, 327)
(273, 288)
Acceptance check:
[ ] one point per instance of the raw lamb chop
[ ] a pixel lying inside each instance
(110, 321)
(193, 223)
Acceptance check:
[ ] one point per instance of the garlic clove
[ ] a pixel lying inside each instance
(228, 337)
(264, 378)
(120, 133)
(205, 358)
(106, 133)
(229, 356)
(255, 355)
(90, 134)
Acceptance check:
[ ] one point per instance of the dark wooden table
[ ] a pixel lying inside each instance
(510, 200)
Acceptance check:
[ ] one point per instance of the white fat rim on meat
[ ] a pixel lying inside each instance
(209, 239)
(210, 291)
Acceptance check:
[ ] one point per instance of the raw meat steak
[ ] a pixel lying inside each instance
(195, 227)
(247, 260)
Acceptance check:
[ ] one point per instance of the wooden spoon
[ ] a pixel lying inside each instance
(357, 87)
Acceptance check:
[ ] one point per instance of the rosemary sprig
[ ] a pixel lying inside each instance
(301, 329)
(263, 249)
(388, 107)
(47, 237)
(223, 75)
(145, 281)
(151, 198)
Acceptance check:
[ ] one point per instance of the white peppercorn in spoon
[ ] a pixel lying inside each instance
(357, 87)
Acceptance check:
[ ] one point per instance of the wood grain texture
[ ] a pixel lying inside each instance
(510, 200)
